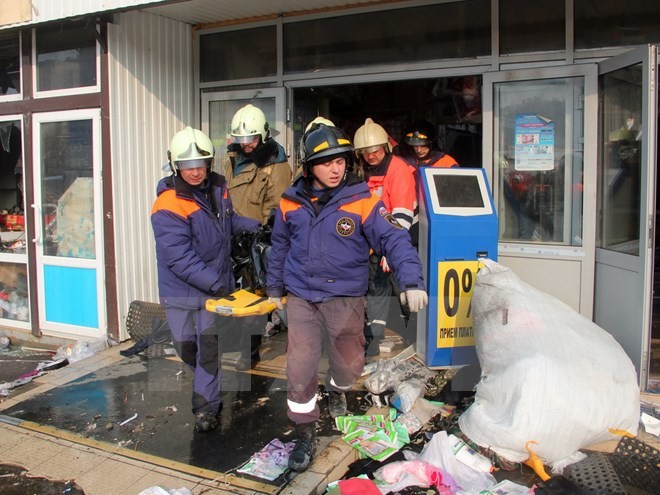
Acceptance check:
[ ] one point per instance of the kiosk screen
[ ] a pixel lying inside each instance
(458, 191)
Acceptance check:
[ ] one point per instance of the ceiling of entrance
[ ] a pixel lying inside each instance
(214, 11)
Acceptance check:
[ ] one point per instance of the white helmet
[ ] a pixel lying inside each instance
(371, 135)
(249, 121)
(319, 120)
(190, 148)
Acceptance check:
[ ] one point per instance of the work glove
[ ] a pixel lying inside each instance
(278, 302)
(384, 266)
(416, 299)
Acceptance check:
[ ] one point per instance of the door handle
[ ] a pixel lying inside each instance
(37, 215)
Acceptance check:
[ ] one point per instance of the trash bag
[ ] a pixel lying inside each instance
(548, 374)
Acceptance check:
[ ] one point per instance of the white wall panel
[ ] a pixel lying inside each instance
(49, 10)
(151, 98)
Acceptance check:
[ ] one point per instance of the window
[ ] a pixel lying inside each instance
(620, 178)
(243, 54)
(10, 65)
(539, 160)
(66, 56)
(606, 23)
(447, 30)
(531, 26)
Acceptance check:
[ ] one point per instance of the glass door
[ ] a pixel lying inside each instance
(218, 108)
(627, 88)
(14, 293)
(536, 126)
(68, 237)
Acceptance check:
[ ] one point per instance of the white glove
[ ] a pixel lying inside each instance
(277, 301)
(416, 299)
(384, 265)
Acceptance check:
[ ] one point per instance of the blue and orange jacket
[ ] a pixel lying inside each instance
(435, 158)
(320, 257)
(193, 243)
(393, 181)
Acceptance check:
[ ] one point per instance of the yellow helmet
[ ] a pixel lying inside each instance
(370, 135)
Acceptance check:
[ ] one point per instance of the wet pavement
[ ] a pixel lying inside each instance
(156, 394)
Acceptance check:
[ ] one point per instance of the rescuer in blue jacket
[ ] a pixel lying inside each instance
(193, 221)
(325, 226)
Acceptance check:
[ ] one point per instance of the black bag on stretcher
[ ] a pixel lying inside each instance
(250, 252)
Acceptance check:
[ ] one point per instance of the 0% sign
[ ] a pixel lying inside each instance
(455, 285)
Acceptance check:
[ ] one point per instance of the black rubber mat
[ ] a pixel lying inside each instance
(159, 392)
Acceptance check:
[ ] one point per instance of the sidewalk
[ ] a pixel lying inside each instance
(99, 470)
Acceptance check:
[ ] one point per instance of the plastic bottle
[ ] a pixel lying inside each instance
(468, 456)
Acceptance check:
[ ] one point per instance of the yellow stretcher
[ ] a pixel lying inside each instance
(241, 303)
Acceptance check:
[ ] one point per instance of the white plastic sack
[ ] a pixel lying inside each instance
(548, 373)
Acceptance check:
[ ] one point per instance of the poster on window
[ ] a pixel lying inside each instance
(534, 142)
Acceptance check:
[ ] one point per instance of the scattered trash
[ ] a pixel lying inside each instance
(375, 436)
(369, 368)
(651, 424)
(6, 387)
(53, 365)
(506, 487)
(406, 393)
(468, 456)
(159, 490)
(423, 474)
(391, 372)
(128, 420)
(358, 484)
(270, 462)
(81, 349)
(4, 342)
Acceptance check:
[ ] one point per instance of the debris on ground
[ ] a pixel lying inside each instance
(82, 349)
(159, 490)
(270, 462)
(16, 480)
(552, 384)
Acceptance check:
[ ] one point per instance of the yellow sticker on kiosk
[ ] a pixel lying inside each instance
(455, 284)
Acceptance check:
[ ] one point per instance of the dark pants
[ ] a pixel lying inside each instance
(251, 329)
(337, 325)
(195, 338)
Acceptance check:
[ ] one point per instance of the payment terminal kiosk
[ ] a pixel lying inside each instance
(457, 228)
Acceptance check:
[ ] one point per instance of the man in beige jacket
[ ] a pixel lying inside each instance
(257, 172)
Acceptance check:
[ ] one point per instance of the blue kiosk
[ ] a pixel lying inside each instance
(457, 228)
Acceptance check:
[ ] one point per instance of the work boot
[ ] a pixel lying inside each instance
(302, 453)
(373, 348)
(337, 404)
(205, 421)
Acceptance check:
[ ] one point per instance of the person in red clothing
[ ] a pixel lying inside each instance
(393, 180)
(422, 138)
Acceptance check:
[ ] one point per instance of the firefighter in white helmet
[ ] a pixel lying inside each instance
(193, 221)
(393, 180)
(257, 172)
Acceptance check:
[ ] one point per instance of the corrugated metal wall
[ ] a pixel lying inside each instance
(49, 10)
(151, 98)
